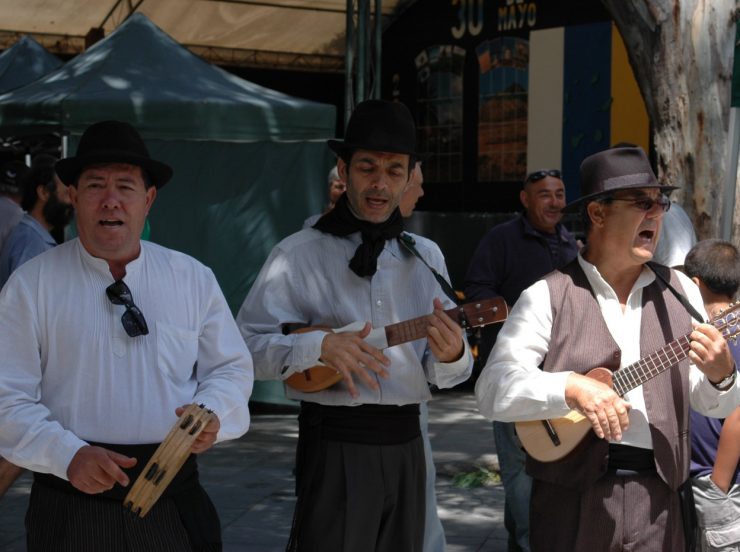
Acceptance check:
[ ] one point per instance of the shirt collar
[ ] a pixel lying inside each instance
(35, 225)
(101, 265)
(602, 287)
(532, 231)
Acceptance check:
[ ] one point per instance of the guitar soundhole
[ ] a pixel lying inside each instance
(307, 373)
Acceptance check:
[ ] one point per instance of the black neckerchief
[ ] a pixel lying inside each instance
(340, 221)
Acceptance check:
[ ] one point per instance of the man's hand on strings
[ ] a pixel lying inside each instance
(349, 354)
(607, 411)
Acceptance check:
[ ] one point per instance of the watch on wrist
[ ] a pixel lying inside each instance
(725, 383)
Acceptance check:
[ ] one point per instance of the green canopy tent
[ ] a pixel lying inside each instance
(250, 163)
(24, 62)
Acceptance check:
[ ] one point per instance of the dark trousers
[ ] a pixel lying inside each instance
(617, 513)
(62, 518)
(359, 496)
(366, 498)
(64, 522)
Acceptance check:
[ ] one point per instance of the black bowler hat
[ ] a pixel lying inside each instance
(618, 168)
(378, 125)
(112, 142)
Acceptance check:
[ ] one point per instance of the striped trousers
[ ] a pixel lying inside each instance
(67, 522)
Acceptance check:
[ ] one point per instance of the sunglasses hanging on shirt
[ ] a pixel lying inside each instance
(132, 319)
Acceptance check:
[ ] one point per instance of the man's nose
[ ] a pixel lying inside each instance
(380, 181)
(111, 199)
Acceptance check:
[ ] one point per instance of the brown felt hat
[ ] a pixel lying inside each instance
(619, 168)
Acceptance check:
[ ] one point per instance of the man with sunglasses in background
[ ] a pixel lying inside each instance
(619, 488)
(104, 340)
(511, 257)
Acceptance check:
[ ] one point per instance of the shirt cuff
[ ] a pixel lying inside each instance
(305, 352)
(556, 392)
(447, 374)
(65, 451)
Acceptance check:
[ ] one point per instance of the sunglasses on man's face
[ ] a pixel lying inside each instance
(132, 319)
(646, 203)
(536, 176)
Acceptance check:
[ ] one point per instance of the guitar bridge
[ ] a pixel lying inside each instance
(551, 433)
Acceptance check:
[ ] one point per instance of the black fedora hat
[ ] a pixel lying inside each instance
(112, 142)
(618, 168)
(378, 125)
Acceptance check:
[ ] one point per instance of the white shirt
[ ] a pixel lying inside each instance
(513, 388)
(307, 280)
(69, 373)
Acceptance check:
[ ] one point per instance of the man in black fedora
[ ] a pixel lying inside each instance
(619, 488)
(105, 338)
(360, 459)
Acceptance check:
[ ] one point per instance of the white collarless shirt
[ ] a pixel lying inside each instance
(70, 374)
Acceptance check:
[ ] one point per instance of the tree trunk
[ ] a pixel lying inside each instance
(681, 52)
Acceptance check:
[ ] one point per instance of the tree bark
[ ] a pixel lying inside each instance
(681, 53)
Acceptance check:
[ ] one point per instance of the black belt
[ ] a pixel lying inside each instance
(629, 460)
(371, 424)
(197, 513)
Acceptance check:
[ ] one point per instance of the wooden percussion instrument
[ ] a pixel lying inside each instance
(167, 460)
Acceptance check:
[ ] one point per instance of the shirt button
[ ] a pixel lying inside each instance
(379, 302)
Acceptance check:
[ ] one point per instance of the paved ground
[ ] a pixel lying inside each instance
(250, 482)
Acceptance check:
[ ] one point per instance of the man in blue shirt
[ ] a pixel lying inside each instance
(46, 202)
(11, 174)
(714, 266)
(510, 258)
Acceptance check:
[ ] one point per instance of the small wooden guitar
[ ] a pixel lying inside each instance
(470, 315)
(551, 440)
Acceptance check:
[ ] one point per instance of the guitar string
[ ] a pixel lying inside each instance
(621, 378)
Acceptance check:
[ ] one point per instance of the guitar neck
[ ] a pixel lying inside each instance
(416, 328)
(634, 375)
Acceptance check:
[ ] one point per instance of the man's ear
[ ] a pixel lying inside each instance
(342, 169)
(43, 193)
(151, 193)
(595, 212)
(524, 199)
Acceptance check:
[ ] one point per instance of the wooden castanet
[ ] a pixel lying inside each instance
(167, 460)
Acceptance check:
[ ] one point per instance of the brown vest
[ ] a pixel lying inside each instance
(576, 314)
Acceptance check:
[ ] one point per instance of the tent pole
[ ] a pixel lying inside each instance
(378, 47)
(362, 18)
(349, 36)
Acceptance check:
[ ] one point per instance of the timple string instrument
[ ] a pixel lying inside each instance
(167, 460)
(469, 315)
(552, 440)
